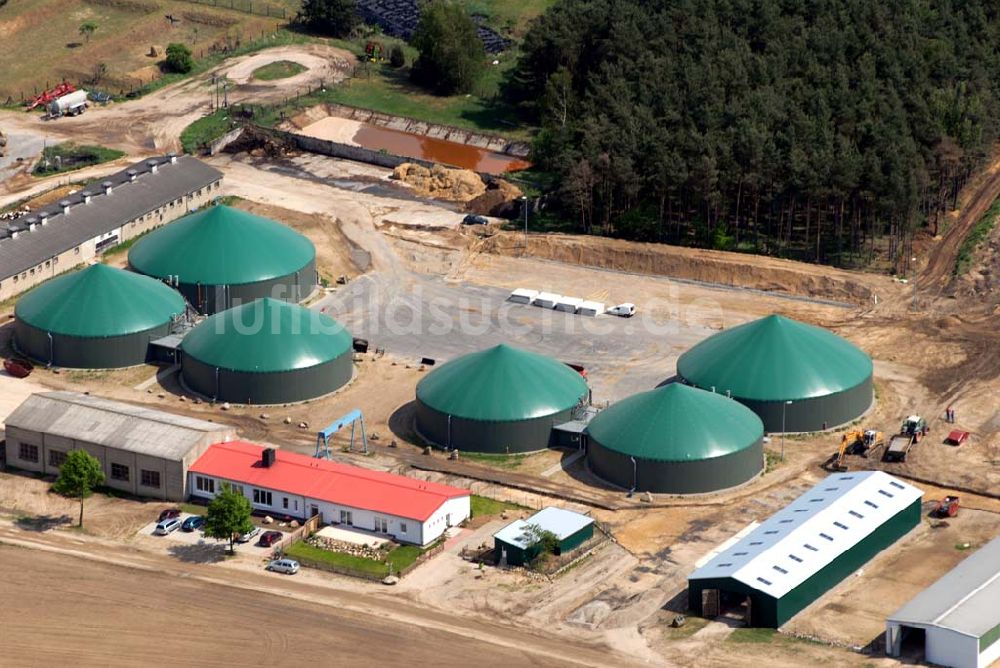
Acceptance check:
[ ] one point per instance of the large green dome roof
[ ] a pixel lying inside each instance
(99, 301)
(222, 246)
(775, 359)
(676, 423)
(267, 335)
(502, 384)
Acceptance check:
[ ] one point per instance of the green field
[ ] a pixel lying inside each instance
(483, 506)
(206, 129)
(279, 69)
(400, 557)
(68, 157)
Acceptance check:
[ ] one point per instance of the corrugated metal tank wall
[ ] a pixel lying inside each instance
(210, 299)
(815, 414)
(86, 353)
(489, 437)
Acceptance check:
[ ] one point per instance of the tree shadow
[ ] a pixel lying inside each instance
(42, 523)
(74, 45)
(199, 553)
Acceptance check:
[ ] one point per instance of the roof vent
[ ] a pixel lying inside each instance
(267, 458)
(86, 194)
(65, 207)
(173, 158)
(43, 217)
(131, 175)
(107, 187)
(152, 166)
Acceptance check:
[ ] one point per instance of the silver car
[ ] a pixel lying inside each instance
(248, 536)
(289, 566)
(167, 526)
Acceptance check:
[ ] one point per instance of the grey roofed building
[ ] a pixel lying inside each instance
(144, 440)
(959, 615)
(100, 209)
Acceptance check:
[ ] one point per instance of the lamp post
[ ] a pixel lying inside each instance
(784, 405)
(524, 205)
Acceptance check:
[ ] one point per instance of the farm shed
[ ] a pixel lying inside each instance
(956, 621)
(284, 483)
(142, 451)
(267, 352)
(677, 440)
(96, 318)
(796, 377)
(82, 226)
(498, 400)
(515, 545)
(221, 257)
(805, 549)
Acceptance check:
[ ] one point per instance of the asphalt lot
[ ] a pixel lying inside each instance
(425, 316)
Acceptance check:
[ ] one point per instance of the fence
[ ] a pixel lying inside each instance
(245, 6)
(307, 528)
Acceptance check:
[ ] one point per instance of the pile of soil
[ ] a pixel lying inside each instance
(258, 143)
(456, 185)
(499, 200)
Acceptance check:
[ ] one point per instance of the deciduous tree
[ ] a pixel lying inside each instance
(228, 516)
(452, 57)
(78, 476)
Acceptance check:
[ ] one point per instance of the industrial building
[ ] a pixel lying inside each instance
(676, 440)
(805, 549)
(796, 377)
(267, 352)
(221, 257)
(516, 544)
(499, 400)
(142, 451)
(285, 483)
(96, 318)
(59, 237)
(956, 621)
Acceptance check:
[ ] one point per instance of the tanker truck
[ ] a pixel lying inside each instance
(71, 104)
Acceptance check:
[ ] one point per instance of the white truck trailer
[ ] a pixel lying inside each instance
(70, 104)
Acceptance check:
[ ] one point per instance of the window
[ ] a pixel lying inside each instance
(149, 478)
(203, 484)
(815, 500)
(402, 527)
(810, 547)
(846, 477)
(119, 472)
(770, 533)
(757, 542)
(896, 484)
(839, 525)
(77, 250)
(823, 535)
(284, 502)
(829, 489)
(802, 510)
(346, 518)
(28, 453)
(786, 521)
(381, 525)
(794, 558)
(262, 497)
(885, 493)
(856, 514)
(56, 458)
(869, 503)
(725, 565)
(15, 278)
(767, 582)
(780, 570)
(740, 554)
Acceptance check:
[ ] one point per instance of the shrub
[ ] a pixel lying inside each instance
(179, 58)
(396, 56)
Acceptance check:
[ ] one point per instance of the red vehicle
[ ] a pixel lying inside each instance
(269, 538)
(957, 437)
(18, 368)
(946, 507)
(169, 514)
(43, 100)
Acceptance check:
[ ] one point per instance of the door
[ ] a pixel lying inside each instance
(381, 525)
(709, 603)
(346, 518)
(313, 510)
(447, 520)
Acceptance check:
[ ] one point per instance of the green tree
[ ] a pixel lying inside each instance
(179, 58)
(336, 18)
(78, 476)
(88, 28)
(452, 57)
(542, 541)
(228, 516)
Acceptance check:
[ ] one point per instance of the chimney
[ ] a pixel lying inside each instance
(131, 175)
(152, 166)
(86, 194)
(107, 187)
(173, 158)
(43, 217)
(65, 207)
(267, 458)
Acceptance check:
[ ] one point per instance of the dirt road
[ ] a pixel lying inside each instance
(69, 599)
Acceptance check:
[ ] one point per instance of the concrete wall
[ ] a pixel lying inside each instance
(87, 250)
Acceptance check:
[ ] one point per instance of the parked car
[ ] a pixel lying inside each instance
(168, 514)
(269, 538)
(193, 523)
(622, 310)
(166, 526)
(248, 536)
(289, 566)
(473, 219)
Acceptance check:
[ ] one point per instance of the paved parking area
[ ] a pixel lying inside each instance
(198, 538)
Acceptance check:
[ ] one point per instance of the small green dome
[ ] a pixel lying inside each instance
(676, 423)
(220, 245)
(775, 359)
(267, 335)
(502, 384)
(97, 302)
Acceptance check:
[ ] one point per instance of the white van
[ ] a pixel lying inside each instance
(626, 310)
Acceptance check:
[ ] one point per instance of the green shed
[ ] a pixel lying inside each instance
(500, 400)
(515, 544)
(676, 439)
(96, 318)
(221, 257)
(796, 377)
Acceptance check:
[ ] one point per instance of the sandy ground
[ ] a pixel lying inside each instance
(336, 129)
(13, 391)
(321, 64)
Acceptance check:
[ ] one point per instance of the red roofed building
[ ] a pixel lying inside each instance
(285, 483)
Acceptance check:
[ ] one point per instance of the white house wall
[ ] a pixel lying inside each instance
(451, 513)
(948, 648)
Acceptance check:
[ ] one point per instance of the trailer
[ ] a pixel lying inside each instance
(568, 304)
(913, 429)
(71, 104)
(591, 308)
(547, 299)
(523, 296)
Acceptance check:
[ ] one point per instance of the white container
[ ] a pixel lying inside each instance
(523, 296)
(591, 308)
(547, 299)
(568, 304)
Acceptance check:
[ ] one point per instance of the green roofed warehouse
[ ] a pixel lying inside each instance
(96, 318)
(676, 440)
(498, 400)
(796, 377)
(221, 256)
(267, 352)
(806, 548)
(519, 542)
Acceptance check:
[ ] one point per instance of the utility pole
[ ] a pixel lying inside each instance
(524, 204)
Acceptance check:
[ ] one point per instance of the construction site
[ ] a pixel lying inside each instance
(739, 389)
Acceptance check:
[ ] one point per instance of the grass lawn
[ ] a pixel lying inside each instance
(306, 553)
(752, 635)
(484, 506)
(279, 69)
(691, 626)
(205, 130)
(68, 157)
(508, 17)
(193, 508)
(509, 462)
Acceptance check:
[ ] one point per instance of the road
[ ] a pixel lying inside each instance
(78, 600)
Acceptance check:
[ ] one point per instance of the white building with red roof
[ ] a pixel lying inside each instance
(283, 483)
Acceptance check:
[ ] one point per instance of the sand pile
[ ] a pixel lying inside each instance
(500, 200)
(457, 185)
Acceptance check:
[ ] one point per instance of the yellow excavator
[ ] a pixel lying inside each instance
(858, 442)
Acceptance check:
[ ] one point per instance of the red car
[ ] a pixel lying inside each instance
(269, 538)
(169, 514)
